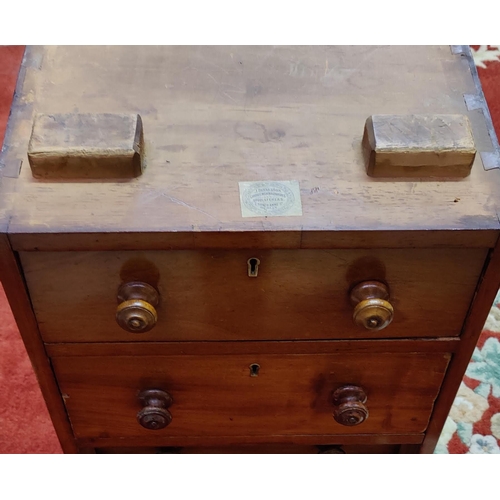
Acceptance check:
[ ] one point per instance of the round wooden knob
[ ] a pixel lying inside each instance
(154, 414)
(372, 310)
(349, 402)
(136, 311)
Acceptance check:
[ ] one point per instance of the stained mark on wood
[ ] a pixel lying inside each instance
(257, 132)
(139, 269)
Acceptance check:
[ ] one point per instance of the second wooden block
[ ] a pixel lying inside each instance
(438, 146)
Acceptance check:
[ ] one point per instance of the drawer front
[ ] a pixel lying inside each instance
(216, 395)
(297, 294)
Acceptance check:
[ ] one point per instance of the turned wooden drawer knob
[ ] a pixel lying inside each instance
(372, 309)
(349, 402)
(136, 311)
(154, 415)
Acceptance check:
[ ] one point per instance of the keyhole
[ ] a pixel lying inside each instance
(254, 370)
(253, 267)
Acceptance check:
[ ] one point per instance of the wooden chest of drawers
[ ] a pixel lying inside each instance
(198, 260)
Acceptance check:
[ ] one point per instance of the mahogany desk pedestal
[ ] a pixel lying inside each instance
(285, 249)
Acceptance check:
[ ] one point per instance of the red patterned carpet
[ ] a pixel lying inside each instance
(474, 422)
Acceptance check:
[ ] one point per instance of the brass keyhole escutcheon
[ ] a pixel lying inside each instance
(254, 370)
(253, 267)
(372, 309)
(136, 311)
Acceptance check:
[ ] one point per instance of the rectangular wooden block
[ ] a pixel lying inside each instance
(86, 146)
(418, 146)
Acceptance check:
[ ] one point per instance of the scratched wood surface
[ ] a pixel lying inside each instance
(215, 116)
(209, 295)
(216, 396)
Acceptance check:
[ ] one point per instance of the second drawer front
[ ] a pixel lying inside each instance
(216, 395)
(297, 294)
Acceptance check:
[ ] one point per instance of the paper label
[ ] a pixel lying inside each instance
(270, 198)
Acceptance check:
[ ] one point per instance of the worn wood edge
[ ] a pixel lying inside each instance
(54, 151)
(20, 304)
(459, 150)
(408, 172)
(299, 347)
(313, 439)
(292, 239)
(17, 110)
(486, 291)
(368, 146)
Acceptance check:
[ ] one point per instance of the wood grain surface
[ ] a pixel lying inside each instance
(209, 296)
(216, 396)
(216, 116)
(443, 345)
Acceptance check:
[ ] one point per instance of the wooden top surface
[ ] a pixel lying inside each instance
(217, 116)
